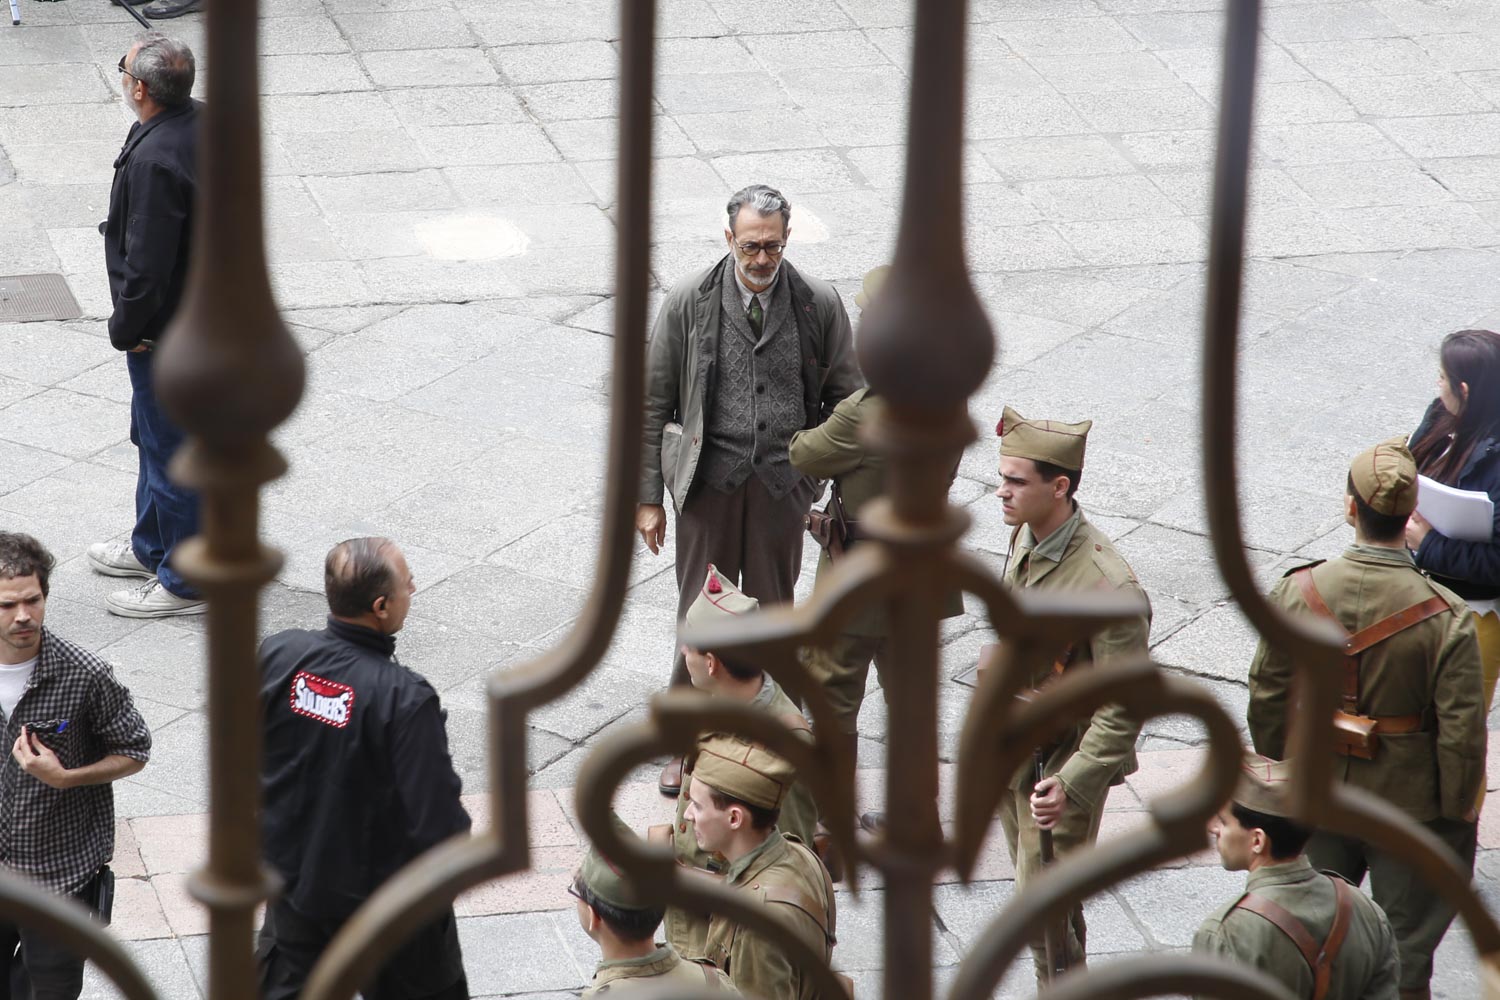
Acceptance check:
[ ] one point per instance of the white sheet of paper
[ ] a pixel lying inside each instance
(1465, 515)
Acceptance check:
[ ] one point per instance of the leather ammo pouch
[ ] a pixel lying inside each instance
(831, 527)
(1357, 735)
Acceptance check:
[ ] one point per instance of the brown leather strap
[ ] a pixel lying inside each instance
(1398, 725)
(1357, 642)
(1283, 921)
(1314, 600)
(1390, 625)
(1323, 970)
(710, 976)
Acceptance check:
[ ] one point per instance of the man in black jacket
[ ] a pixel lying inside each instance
(357, 779)
(146, 250)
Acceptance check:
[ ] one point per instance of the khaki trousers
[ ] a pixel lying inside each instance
(1419, 917)
(1079, 827)
(1488, 627)
(752, 537)
(843, 668)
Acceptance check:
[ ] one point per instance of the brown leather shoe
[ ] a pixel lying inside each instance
(828, 852)
(872, 822)
(670, 782)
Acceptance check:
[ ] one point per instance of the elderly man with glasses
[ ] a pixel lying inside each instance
(147, 248)
(744, 354)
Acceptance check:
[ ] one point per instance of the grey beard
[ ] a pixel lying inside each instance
(749, 280)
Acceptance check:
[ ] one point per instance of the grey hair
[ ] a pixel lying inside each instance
(764, 199)
(356, 573)
(167, 67)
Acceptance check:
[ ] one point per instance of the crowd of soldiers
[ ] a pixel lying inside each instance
(755, 398)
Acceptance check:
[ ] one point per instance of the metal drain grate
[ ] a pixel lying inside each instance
(26, 298)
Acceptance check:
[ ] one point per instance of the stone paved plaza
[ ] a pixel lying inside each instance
(440, 217)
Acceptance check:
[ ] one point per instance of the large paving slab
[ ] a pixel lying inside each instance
(441, 211)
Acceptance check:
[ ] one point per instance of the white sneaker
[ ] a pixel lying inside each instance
(117, 559)
(152, 600)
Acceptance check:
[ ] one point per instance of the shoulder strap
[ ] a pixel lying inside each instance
(1315, 602)
(1398, 622)
(1282, 920)
(822, 915)
(710, 976)
(1323, 970)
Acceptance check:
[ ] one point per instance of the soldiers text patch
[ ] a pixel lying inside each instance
(324, 700)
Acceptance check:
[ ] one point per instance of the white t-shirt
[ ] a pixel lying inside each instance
(13, 680)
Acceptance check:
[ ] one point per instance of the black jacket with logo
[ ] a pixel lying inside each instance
(356, 771)
(150, 224)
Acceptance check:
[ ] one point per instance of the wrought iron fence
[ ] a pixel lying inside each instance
(230, 373)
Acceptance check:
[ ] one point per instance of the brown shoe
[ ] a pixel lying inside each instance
(872, 822)
(828, 852)
(670, 782)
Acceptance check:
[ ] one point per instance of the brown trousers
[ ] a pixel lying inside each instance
(752, 538)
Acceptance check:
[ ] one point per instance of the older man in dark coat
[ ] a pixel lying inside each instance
(744, 354)
(146, 241)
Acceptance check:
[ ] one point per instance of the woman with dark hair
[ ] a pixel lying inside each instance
(1458, 444)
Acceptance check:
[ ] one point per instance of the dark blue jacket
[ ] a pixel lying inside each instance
(150, 224)
(1469, 569)
(356, 772)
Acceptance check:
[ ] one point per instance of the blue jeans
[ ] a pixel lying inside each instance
(165, 513)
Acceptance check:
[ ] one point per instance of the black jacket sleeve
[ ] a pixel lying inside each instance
(160, 212)
(426, 784)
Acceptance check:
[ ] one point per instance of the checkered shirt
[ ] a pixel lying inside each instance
(61, 837)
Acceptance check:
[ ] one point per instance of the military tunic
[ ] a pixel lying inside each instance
(799, 817)
(1093, 755)
(1365, 968)
(1431, 669)
(661, 969)
(790, 879)
(833, 450)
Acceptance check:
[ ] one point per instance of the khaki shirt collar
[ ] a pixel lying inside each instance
(1379, 553)
(767, 693)
(764, 855)
(1299, 869)
(1052, 548)
(658, 963)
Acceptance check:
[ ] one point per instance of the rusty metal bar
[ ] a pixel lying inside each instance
(228, 372)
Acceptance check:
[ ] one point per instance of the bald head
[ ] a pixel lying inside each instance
(368, 583)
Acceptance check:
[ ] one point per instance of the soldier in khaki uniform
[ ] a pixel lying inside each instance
(722, 678)
(1412, 724)
(1322, 938)
(737, 791)
(610, 912)
(1055, 548)
(833, 450)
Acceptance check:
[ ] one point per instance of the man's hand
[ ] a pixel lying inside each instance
(140, 349)
(651, 522)
(1472, 816)
(1048, 801)
(40, 763)
(1417, 528)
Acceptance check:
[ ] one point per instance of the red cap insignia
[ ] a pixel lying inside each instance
(713, 586)
(1000, 427)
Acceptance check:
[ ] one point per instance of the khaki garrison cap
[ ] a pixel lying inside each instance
(743, 770)
(1263, 784)
(874, 279)
(1385, 477)
(1050, 441)
(604, 879)
(718, 599)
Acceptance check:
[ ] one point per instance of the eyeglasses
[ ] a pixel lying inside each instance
(754, 249)
(124, 70)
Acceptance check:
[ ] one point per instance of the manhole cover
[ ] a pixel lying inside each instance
(25, 298)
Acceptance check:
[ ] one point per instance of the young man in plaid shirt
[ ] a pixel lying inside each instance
(72, 729)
